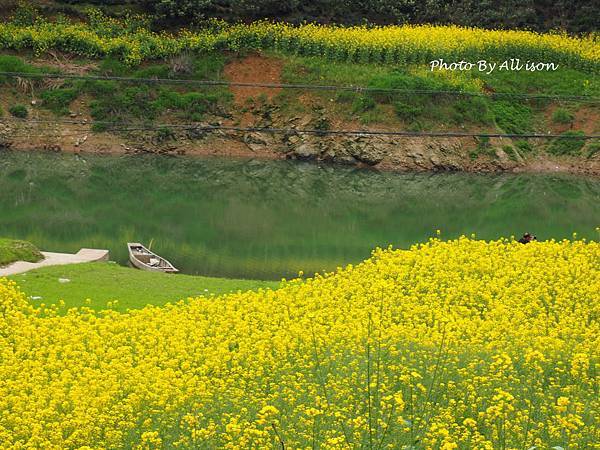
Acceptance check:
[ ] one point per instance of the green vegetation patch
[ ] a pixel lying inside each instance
(593, 149)
(420, 99)
(114, 102)
(9, 63)
(561, 115)
(19, 111)
(512, 117)
(58, 100)
(15, 250)
(484, 147)
(117, 101)
(565, 81)
(568, 144)
(107, 282)
(524, 146)
(433, 108)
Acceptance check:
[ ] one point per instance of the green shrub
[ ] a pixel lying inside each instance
(116, 105)
(363, 103)
(415, 126)
(19, 111)
(562, 116)
(113, 67)
(484, 147)
(473, 109)
(406, 112)
(570, 144)
(11, 251)
(524, 146)
(164, 134)
(322, 124)
(99, 127)
(26, 15)
(510, 151)
(593, 149)
(10, 63)
(403, 82)
(117, 102)
(196, 103)
(346, 97)
(513, 118)
(58, 100)
(199, 103)
(208, 66)
(154, 71)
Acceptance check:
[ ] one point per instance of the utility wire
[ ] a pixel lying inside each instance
(291, 131)
(299, 86)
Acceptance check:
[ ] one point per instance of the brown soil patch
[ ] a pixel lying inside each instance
(587, 119)
(78, 138)
(254, 69)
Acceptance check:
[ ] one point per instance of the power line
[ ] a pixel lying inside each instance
(358, 89)
(291, 131)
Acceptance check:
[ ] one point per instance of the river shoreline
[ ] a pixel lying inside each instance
(387, 154)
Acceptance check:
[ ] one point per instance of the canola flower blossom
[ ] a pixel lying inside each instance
(459, 344)
(405, 44)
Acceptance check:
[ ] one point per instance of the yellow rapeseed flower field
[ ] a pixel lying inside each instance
(460, 344)
(405, 44)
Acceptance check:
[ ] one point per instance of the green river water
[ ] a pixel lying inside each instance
(270, 219)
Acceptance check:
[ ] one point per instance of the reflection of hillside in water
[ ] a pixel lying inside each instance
(272, 218)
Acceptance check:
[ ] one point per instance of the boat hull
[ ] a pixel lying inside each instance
(142, 258)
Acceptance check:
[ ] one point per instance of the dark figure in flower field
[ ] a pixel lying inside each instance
(527, 238)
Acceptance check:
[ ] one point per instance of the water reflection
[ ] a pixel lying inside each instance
(268, 219)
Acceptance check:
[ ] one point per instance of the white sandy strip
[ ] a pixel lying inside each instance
(56, 259)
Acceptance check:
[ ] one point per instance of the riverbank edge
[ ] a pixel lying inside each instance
(381, 153)
(94, 284)
(84, 255)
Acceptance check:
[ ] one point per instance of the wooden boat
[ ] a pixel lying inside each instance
(144, 259)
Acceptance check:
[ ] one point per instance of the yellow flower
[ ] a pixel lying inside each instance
(463, 343)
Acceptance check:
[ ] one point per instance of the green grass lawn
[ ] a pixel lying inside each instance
(106, 282)
(12, 250)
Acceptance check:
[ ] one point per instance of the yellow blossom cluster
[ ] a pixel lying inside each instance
(406, 44)
(459, 344)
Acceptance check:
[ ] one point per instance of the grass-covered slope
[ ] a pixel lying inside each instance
(14, 250)
(104, 285)
(450, 345)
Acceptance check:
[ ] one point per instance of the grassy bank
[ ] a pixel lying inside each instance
(14, 250)
(439, 110)
(110, 104)
(108, 285)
